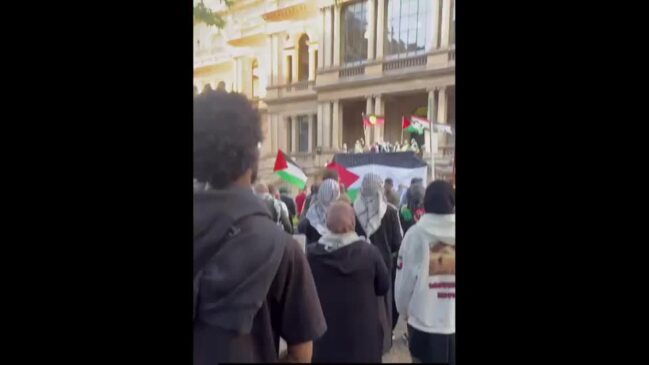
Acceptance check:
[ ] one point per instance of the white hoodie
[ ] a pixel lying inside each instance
(428, 301)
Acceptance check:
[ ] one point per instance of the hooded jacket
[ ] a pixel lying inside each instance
(425, 280)
(350, 277)
(231, 288)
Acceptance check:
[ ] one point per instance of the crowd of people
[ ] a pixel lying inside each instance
(381, 147)
(389, 253)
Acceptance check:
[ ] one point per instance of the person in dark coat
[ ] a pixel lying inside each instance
(379, 221)
(252, 284)
(290, 203)
(316, 217)
(350, 275)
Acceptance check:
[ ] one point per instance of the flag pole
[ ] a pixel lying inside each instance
(401, 140)
(432, 117)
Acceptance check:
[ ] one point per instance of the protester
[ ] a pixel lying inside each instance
(414, 146)
(252, 282)
(390, 195)
(358, 148)
(379, 221)
(405, 146)
(414, 208)
(279, 213)
(289, 202)
(299, 201)
(425, 282)
(413, 181)
(330, 174)
(344, 149)
(350, 275)
(307, 202)
(316, 217)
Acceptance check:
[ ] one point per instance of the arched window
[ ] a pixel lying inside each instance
(408, 27)
(303, 58)
(354, 32)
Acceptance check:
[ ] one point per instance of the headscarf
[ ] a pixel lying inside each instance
(328, 193)
(440, 198)
(414, 207)
(371, 206)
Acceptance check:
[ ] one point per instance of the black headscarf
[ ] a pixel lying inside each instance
(440, 198)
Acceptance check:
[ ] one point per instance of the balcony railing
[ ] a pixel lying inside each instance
(299, 88)
(405, 63)
(351, 71)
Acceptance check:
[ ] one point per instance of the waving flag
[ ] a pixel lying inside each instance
(372, 120)
(415, 124)
(289, 170)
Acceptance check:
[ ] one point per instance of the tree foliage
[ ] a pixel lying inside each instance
(203, 14)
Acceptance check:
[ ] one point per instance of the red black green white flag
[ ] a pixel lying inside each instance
(415, 124)
(289, 171)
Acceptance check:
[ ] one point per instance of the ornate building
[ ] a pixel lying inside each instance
(313, 67)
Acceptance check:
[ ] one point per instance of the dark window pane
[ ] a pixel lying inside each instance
(303, 138)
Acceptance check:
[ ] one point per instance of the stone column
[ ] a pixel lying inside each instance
(311, 125)
(446, 23)
(294, 63)
(326, 126)
(379, 130)
(335, 126)
(442, 102)
(320, 135)
(368, 131)
(431, 136)
(312, 58)
(434, 26)
(380, 28)
(295, 126)
(371, 24)
(286, 67)
(328, 37)
(282, 133)
(321, 41)
(336, 33)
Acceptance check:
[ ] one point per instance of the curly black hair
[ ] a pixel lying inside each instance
(227, 134)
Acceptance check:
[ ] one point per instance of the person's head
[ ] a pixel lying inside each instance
(227, 135)
(341, 218)
(415, 197)
(328, 192)
(330, 174)
(220, 86)
(371, 185)
(261, 188)
(416, 181)
(439, 198)
(389, 184)
(272, 190)
(207, 89)
(283, 190)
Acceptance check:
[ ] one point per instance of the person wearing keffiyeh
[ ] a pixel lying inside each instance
(328, 192)
(379, 221)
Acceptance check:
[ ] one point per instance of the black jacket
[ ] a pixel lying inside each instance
(349, 281)
(255, 284)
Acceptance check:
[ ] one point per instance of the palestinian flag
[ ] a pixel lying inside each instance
(289, 171)
(372, 120)
(400, 166)
(415, 124)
